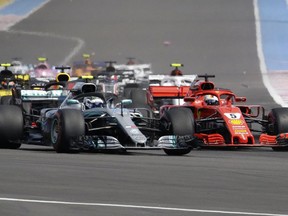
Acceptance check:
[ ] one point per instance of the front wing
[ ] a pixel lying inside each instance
(265, 140)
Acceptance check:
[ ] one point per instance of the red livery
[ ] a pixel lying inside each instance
(221, 121)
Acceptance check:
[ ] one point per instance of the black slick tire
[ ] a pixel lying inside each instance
(278, 118)
(181, 123)
(11, 126)
(66, 125)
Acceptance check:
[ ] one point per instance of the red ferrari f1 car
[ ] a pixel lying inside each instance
(219, 119)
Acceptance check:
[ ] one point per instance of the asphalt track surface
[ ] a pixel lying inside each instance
(208, 36)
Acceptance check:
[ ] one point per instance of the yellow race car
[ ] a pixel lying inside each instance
(86, 67)
(9, 80)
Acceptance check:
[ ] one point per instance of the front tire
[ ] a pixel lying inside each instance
(66, 125)
(179, 122)
(177, 152)
(278, 120)
(11, 126)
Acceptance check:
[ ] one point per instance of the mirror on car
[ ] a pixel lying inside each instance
(240, 99)
(126, 102)
(72, 102)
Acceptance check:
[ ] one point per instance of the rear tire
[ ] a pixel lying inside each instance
(128, 89)
(11, 126)
(139, 100)
(66, 125)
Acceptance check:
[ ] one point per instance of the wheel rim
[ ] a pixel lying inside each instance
(54, 131)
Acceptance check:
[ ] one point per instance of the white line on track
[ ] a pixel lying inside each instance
(261, 57)
(79, 42)
(138, 207)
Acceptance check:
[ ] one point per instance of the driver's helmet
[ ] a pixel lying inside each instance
(176, 72)
(92, 102)
(211, 100)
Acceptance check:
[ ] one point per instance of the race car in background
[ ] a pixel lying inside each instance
(162, 89)
(141, 71)
(18, 67)
(43, 70)
(159, 91)
(10, 80)
(41, 82)
(220, 120)
(113, 80)
(87, 67)
(109, 80)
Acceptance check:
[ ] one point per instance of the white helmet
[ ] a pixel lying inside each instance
(211, 100)
(92, 102)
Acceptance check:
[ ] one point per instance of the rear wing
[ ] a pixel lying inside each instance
(167, 80)
(168, 91)
(42, 95)
(140, 70)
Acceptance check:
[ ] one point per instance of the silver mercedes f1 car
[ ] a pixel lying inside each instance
(83, 119)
